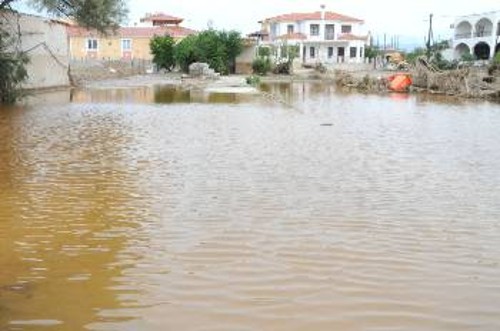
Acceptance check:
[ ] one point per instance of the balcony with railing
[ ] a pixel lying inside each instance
(466, 35)
(483, 33)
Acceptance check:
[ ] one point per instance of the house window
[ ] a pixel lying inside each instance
(92, 44)
(361, 52)
(126, 45)
(312, 52)
(353, 52)
(289, 29)
(329, 32)
(314, 29)
(274, 30)
(330, 52)
(346, 28)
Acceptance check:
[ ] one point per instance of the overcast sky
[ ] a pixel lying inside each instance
(406, 18)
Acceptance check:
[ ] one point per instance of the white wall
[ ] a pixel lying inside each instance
(46, 44)
(321, 52)
(304, 28)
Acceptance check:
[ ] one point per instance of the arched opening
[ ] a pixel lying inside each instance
(484, 28)
(461, 50)
(463, 30)
(497, 49)
(482, 51)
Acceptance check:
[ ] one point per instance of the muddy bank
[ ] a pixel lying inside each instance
(225, 84)
(469, 82)
(465, 83)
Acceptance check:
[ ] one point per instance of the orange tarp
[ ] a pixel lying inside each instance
(399, 82)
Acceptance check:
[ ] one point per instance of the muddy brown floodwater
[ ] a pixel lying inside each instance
(306, 209)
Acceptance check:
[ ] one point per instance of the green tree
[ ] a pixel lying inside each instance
(210, 49)
(234, 46)
(372, 52)
(217, 48)
(162, 48)
(12, 69)
(185, 52)
(102, 15)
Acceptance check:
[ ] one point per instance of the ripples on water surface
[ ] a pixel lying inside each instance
(144, 210)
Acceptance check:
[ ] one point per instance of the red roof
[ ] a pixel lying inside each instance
(349, 36)
(293, 36)
(316, 16)
(135, 32)
(161, 17)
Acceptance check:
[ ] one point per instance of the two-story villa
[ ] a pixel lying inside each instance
(323, 36)
(126, 43)
(477, 34)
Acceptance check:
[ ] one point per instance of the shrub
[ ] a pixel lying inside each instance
(497, 58)
(467, 57)
(162, 49)
(253, 80)
(264, 52)
(261, 66)
(283, 68)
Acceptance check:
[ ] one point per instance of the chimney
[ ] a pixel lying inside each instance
(323, 12)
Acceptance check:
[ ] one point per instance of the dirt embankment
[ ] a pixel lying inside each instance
(470, 82)
(465, 82)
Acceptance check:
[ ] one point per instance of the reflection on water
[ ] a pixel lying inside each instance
(236, 213)
(155, 94)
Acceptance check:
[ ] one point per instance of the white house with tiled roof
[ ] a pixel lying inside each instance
(323, 36)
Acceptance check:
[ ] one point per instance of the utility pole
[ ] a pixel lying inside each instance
(430, 38)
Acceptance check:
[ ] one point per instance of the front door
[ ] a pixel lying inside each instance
(341, 54)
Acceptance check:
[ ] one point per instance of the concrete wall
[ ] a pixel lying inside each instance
(46, 44)
(84, 70)
(245, 59)
(321, 52)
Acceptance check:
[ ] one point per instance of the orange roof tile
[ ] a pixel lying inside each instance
(135, 32)
(161, 17)
(315, 16)
(349, 36)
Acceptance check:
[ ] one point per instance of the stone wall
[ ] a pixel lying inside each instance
(86, 70)
(46, 44)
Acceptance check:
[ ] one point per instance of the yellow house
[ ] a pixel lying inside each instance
(127, 43)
